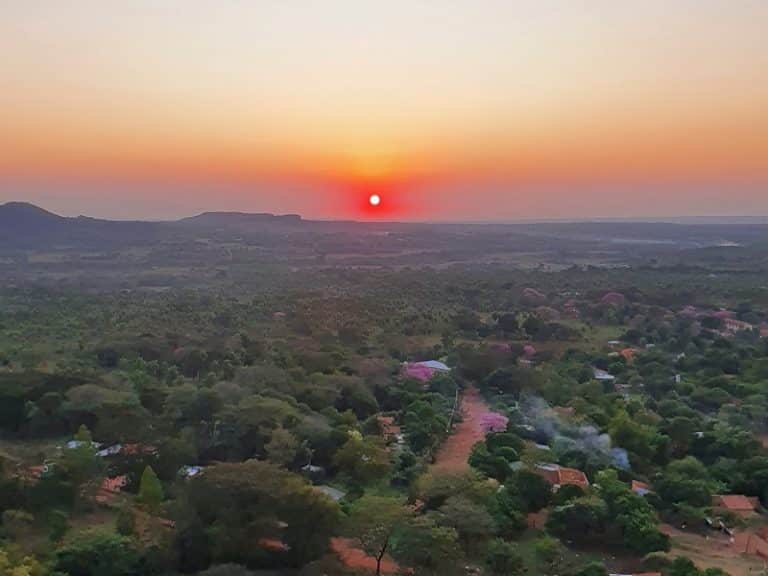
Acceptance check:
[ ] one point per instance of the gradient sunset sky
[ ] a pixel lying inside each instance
(450, 110)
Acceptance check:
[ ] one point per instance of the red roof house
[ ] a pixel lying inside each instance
(736, 503)
(110, 488)
(559, 476)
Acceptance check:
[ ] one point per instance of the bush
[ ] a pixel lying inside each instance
(502, 558)
(98, 554)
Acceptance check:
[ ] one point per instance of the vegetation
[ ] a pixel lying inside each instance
(246, 420)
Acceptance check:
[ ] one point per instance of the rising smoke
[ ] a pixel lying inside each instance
(566, 437)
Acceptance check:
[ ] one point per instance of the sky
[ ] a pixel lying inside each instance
(448, 110)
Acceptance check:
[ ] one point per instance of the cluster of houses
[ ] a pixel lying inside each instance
(111, 486)
(730, 324)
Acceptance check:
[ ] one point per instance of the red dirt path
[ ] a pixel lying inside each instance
(358, 560)
(454, 453)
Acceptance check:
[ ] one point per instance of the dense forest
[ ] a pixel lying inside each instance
(293, 410)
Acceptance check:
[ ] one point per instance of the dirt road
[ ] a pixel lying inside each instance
(454, 453)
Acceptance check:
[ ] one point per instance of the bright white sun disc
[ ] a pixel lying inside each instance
(374, 200)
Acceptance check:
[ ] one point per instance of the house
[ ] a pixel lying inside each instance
(723, 314)
(190, 471)
(570, 309)
(733, 326)
(138, 450)
(127, 450)
(602, 375)
(389, 429)
(628, 354)
(640, 488)
(749, 543)
(32, 474)
(315, 474)
(737, 504)
(273, 545)
(423, 371)
(113, 450)
(110, 488)
(74, 444)
(558, 476)
(613, 299)
(435, 365)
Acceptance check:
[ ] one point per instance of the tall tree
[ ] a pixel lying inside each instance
(374, 521)
(150, 490)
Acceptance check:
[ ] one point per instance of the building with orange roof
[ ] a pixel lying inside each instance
(628, 354)
(749, 543)
(273, 544)
(388, 427)
(32, 474)
(559, 476)
(110, 488)
(735, 503)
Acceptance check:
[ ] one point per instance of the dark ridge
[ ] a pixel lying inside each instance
(226, 218)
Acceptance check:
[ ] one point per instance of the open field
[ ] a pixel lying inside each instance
(713, 551)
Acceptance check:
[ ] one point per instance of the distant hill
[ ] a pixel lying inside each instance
(22, 215)
(24, 225)
(240, 218)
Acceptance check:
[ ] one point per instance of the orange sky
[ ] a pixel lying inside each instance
(449, 110)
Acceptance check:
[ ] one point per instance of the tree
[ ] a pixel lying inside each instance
(58, 524)
(503, 559)
(593, 569)
(249, 500)
(435, 489)
(150, 490)
(83, 435)
(26, 566)
(508, 323)
(632, 514)
(424, 545)
(549, 553)
(579, 520)
(363, 460)
(684, 481)
(491, 465)
(98, 554)
(472, 521)
(80, 468)
(533, 325)
(226, 570)
(533, 491)
(282, 447)
(373, 522)
(507, 512)
(639, 527)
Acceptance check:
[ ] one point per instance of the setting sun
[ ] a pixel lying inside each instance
(374, 199)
